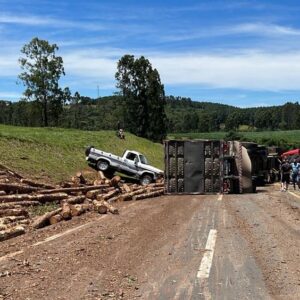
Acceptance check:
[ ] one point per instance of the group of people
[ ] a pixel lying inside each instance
(290, 171)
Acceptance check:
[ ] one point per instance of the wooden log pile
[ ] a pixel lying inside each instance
(73, 198)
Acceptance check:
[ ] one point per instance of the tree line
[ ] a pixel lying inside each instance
(140, 106)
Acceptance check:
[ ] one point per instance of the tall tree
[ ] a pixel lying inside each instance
(42, 70)
(144, 97)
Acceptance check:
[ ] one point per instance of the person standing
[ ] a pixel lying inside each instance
(285, 175)
(295, 172)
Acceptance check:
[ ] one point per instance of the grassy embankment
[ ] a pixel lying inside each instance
(289, 138)
(55, 154)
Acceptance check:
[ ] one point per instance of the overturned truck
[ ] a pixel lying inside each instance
(207, 166)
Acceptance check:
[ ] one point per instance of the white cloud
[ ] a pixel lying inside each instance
(10, 95)
(257, 29)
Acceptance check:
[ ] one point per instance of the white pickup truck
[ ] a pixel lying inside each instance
(132, 163)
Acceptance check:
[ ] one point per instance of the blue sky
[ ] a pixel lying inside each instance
(243, 53)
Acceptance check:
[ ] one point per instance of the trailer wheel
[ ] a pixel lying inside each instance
(102, 165)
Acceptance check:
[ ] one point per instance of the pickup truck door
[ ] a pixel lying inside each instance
(132, 161)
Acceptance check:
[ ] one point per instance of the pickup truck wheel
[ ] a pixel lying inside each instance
(146, 179)
(102, 165)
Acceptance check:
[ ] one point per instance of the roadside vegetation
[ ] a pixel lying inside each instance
(55, 154)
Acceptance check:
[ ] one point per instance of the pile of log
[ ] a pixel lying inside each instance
(73, 198)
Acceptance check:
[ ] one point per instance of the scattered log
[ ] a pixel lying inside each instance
(2, 193)
(14, 212)
(77, 209)
(93, 194)
(66, 211)
(4, 180)
(55, 219)
(126, 188)
(153, 189)
(159, 184)
(41, 198)
(11, 219)
(81, 178)
(44, 219)
(17, 188)
(74, 189)
(101, 175)
(108, 195)
(110, 208)
(100, 207)
(148, 195)
(11, 232)
(3, 173)
(115, 181)
(99, 181)
(37, 184)
(3, 227)
(19, 204)
(128, 196)
(75, 199)
(24, 222)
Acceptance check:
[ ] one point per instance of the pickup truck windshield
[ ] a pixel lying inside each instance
(143, 160)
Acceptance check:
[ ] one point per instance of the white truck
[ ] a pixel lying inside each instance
(132, 163)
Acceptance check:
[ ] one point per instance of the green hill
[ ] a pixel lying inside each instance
(55, 154)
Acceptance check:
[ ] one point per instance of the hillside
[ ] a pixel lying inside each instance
(286, 139)
(55, 154)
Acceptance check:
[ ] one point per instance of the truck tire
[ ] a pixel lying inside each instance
(102, 165)
(146, 179)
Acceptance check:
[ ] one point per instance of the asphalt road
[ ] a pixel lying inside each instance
(173, 247)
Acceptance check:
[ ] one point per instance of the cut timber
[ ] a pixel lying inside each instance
(66, 211)
(55, 219)
(75, 199)
(14, 212)
(101, 175)
(11, 219)
(11, 232)
(115, 181)
(99, 181)
(93, 194)
(148, 195)
(108, 195)
(3, 227)
(161, 184)
(2, 193)
(100, 207)
(41, 198)
(77, 210)
(17, 188)
(75, 180)
(126, 188)
(129, 196)
(37, 184)
(21, 203)
(74, 189)
(81, 178)
(44, 219)
(110, 208)
(153, 189)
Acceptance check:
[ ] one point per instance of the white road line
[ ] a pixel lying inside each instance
(220, 197)
(206, 261)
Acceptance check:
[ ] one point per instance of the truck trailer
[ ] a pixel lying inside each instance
(207, 167)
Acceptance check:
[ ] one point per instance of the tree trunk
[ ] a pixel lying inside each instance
(100, 207)
(110, 208)
(11, 232)
(14, 212)
(55, 219)
(107, 196)
(66, 211)
(93, 194)
(115, 181)
(77, 209)
(45, 111)
(37, 184)
(19, 204)
(128, 196)
(44, 219)
(74, 189)
(17, 188)
(11, 219)
(75, 199)
(148, 195)
(41, 198)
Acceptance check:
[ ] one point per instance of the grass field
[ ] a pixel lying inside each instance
(55, 154)
(289, 138)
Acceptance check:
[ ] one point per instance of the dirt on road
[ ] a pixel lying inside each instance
(154, 249)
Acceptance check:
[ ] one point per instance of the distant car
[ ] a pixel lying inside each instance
(132, 163)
